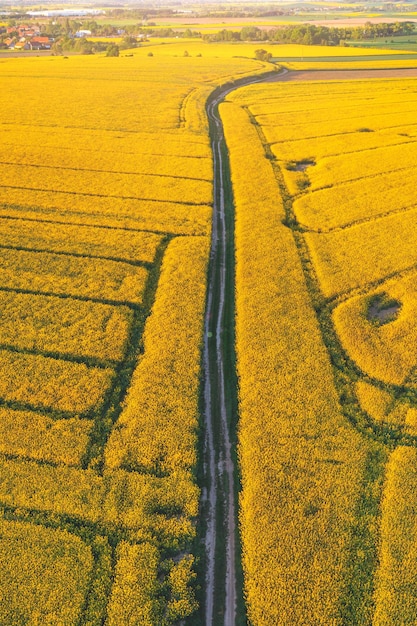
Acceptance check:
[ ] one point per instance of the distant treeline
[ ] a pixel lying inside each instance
(314, 35)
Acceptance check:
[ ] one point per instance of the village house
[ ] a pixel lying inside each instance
(28, 31)
(10, 41)
(40, 43)
(28, 44)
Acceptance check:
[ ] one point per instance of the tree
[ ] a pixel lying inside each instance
(129, 42)
(262, 55)
(112, 50)
(251, 33)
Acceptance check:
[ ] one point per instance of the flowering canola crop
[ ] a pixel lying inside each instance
(105, 213)
(326, 262)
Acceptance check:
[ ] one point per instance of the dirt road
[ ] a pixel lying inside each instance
(325, 75)
(218, 460)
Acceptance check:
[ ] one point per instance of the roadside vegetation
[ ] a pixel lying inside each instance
(334, 192)
(302, 464)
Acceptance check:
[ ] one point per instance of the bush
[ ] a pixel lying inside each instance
(112, 51)
(263, 55)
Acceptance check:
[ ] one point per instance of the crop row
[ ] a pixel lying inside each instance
(358, 200)
(110, 146)
(384, 351)
(346, 143)
(398, 63)
(66, 156)
(43, 568)
(63, 326)
(71, 276)
(151, 215)
(387, 408)
(366, 264)
(85, 240)
(355, 257)
(336, 170)
(135, 186)
(156, 431)
(45, 382)
(301, 463)
(32, 435)
(395, 594)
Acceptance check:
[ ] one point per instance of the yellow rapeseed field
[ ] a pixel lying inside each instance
(384, 351)
(44, 575)
(105, 218)
(395, 593)
(301, 463)
(105, 178)
(340, 160)
(63, 327)
(36, 436)
(157, 428)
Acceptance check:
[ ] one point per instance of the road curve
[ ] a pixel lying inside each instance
(218, 465)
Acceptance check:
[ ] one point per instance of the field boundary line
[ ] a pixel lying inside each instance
(79, 255)
(98, 195)
(97, 171)
(35, 209)
(66, 296)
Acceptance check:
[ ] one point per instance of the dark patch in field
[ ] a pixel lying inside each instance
(382, 309)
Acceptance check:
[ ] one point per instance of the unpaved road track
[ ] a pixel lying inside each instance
(325, 75)
(218, 460)
(219, 471)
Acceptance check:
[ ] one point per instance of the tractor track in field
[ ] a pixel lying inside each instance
(221, 593)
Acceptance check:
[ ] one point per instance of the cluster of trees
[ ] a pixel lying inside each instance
(169, 32)
(67, 28)
(77, 46)
(314, 35)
